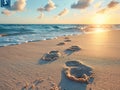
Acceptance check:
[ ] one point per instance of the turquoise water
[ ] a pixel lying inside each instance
(12, 34)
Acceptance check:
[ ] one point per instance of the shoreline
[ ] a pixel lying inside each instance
(82, 33)
(1, 35)
(20, 64)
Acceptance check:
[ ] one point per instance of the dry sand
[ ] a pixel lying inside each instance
(20, 65)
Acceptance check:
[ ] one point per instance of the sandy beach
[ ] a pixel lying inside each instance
(21, 67)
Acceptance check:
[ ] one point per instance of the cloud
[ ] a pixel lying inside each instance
(18, 5)
(62, 13)
(102, 10)
(81, 4)
(6, 12)
(48, 7)
(110, 6)
(41, 9)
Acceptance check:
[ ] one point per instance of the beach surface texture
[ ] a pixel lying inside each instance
(79, 62)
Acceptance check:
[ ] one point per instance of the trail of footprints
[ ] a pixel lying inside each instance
(73, 70)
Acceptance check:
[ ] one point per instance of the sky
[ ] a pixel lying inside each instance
(61, 12)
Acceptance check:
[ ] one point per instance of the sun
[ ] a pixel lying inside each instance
(99, 19)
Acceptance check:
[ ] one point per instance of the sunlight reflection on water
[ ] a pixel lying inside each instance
(97, 28)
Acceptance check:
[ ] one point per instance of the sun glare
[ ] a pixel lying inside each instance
(99, 30)
(99, 19)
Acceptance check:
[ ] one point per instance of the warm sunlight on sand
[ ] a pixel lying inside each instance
(100, 36)
(99, 30)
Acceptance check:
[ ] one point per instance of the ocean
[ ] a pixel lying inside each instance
(13, 34)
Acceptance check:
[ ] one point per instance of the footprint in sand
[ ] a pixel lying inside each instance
(72, 49)
(76, 71)
(33, 85)
(50, 57)
(67, 40)
(61, 43)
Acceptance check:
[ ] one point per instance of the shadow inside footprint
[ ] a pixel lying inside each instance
(72, 49)
(66, 84)
(75, 76)
(68, 52)
(67, 40)
(61, 43)
(72, 63)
